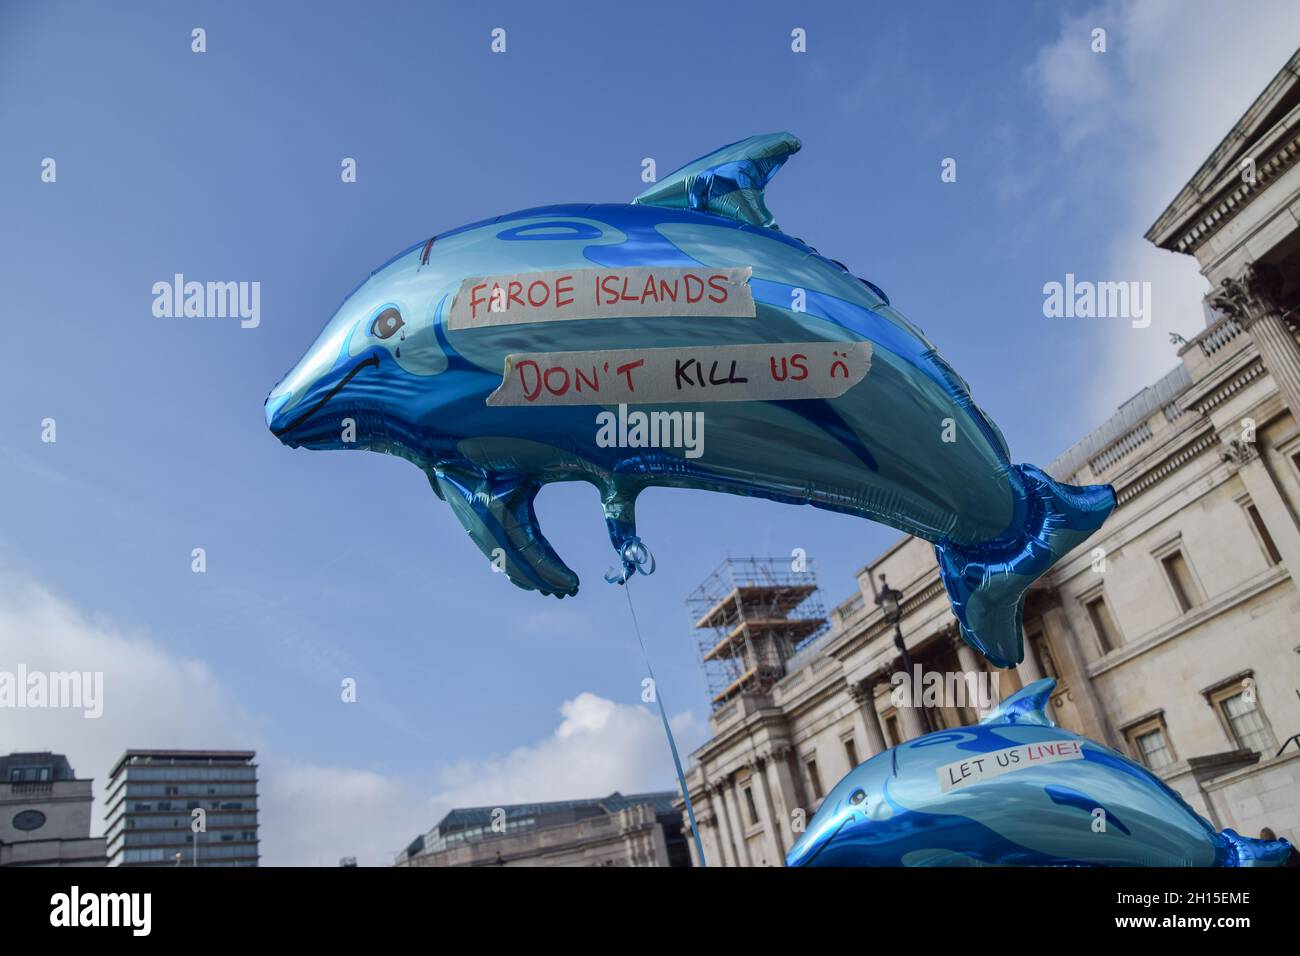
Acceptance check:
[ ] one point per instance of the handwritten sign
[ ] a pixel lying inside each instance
(487, 301)
(995, 763)
(657, 376)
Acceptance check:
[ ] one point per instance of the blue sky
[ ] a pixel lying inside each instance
(225, 166)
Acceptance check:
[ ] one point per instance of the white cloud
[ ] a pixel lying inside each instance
(150, 697)
(1137, 121)
(315, 816)
(600, 746)
(310, 814)
(154, 699)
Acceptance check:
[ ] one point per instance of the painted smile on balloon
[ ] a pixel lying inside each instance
(373, 360)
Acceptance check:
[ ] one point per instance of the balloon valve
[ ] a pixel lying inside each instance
(637, 559)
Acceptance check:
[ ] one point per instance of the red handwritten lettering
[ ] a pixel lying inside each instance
(698, 294)
(626, 372)
(561, 289)
(530, 393)
(475, 300)
(546, 379)
(722, 289)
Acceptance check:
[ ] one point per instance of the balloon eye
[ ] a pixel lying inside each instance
(857, 797)
(386, 324)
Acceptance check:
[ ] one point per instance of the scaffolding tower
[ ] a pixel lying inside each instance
(750, 616)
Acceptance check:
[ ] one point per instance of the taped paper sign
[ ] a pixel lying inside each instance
(995, 763)
(488, 301)
(656, 376)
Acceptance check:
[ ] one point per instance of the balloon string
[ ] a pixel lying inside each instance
(668, 731)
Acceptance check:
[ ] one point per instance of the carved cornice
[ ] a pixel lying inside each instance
(1220, 211)
(1166, 467)
(1248, 374)
(909, 605)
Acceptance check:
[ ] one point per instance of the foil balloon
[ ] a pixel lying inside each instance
(1015, 790)
(679, 340)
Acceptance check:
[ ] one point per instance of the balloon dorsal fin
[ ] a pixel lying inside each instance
(1026, 706)
(727, 182)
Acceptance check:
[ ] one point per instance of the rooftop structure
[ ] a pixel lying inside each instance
(751, 616)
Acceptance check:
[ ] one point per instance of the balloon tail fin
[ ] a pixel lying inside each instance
(1245, 851)
(986, 582)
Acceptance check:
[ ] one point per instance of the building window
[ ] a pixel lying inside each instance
(851, 751)
(1180, 580)
(1261, 533)
(1102, 624)
(893, 731)
(29, 774)
(814, 778)
(1149, 742)
(750, 806)
(1153, 748)
(1237, 704)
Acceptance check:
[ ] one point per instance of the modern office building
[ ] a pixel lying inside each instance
(642, 829)
(1172, 633)
(183, 808)
(45, 813)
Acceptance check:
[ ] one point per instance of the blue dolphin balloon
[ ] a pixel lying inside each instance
(563, 343)
(1014, 790)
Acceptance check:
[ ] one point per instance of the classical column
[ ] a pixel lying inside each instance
(737, 823)
(724, 827)
(970, 665)
(1028, 669)
(712, 841)
(1070, 657)
(770, 823)
(1252, 299)
(781, 786)
(864, 695)
(909, 714)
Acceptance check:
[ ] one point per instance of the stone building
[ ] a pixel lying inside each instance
(45, 813)
(156, 799)
(1172, 632)
(636, 830)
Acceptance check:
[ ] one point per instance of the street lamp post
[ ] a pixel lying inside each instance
(889, 600)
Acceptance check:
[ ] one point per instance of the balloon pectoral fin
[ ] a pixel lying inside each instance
(619, 506)
(620, 521)
(498, 515)
(434, 484)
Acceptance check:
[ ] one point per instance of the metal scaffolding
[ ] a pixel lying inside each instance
(750, 616)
